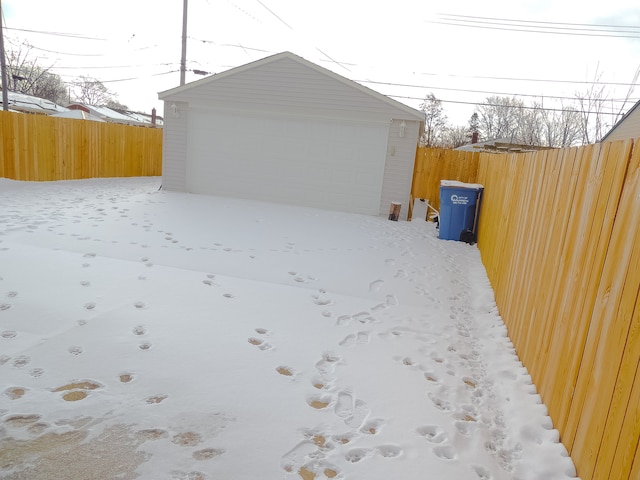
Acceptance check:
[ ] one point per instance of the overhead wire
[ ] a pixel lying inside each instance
(543, 22)
(466, 90)
(521, 107)
(459, 18)
(58, 34)
(292, 29)
(469, 22)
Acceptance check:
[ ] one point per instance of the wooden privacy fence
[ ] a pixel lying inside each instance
(559, 235)
(42, 148)
(435, 164)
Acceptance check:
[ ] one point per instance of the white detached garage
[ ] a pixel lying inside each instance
(285, 130)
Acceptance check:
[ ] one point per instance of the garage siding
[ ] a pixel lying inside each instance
(286, 86)
(285, 130)
(174, 146)
(398, 169)
(322, 164)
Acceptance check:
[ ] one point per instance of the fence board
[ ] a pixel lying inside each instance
(594, 224)
(433, 165)
(559, 234)
(551, 273)
(41, 148)
(602, 365)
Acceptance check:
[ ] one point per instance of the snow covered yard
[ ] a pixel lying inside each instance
(152, 334)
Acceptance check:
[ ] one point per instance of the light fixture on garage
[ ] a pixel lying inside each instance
(403, 129)
(174, 110)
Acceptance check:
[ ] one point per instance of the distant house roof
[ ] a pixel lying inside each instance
(499, 145)
(20, 102)
(77, 114)
(627, 127)
(115, 116)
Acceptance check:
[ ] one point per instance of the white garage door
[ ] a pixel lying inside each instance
(324, 164)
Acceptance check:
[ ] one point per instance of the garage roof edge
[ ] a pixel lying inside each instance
(411, 112)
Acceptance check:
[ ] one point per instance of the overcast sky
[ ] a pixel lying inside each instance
(460, 50)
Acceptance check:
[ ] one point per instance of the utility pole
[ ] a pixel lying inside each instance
(3, 66)
(183, 61)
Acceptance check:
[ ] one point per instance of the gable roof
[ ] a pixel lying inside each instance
(21, 102)
(220, 77)
(111, 115)
(78, 115)
(621, 121)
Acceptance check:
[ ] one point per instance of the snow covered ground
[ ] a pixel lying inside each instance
(159, 335)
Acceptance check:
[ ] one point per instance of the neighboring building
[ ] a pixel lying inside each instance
(627, 127)
(119, 116)
(78, 115)
(285, 130)
(20, 102)
(499, 145)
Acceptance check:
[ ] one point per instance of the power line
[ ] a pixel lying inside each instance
(545, 80)
(113, 66)
(480, 91)
(66, 53)
(57, 34)
(291, 28)
(522, 107)
(523, 28)
(541, 22)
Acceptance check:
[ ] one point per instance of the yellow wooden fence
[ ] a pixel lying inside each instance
(435, 164)
(559, 235)
(42, 148)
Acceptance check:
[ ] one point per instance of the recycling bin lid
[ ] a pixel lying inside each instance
(457, 184)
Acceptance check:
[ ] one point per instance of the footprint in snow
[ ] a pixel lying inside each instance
(432, 433)
(328, 363)
(260, 343)
(139, 330)
(319, 402)
(344, 405)
(286, 371)
(389, 451)
(356, 455)
(360, 414)
(372, 427)
(21, 361)
(375, 285)
(354, 338)
(445, 452)
(481, 472)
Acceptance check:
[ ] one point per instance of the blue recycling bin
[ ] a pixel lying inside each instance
(459, 210)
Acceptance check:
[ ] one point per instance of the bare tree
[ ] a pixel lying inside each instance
(434, 120)
(91, 91)
(24, 75)
(591, 104)
(499, 117)
(529, 127)
(562, 128)
(453, 137)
